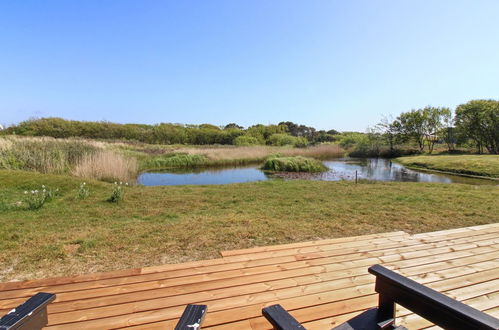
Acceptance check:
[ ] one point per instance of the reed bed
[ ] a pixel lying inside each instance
(107, 165)
(260, 153)
(43, 154)
(322, 151)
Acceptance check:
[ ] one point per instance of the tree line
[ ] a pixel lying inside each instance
(473, 124)
(284, 133)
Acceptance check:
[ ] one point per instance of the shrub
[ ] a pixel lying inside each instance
(246, 140)
(293, 164)
(107, 166)
(287, 140)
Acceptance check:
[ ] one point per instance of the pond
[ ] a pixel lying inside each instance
(339, 169)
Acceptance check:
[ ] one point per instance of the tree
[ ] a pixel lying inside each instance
(479, 120)
(422, 125)
(448, 132)
(433, 123)
(411, 124)
(233, 126)
(389, 129)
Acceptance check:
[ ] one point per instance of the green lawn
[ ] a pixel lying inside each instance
(156, 225)
(481, 165)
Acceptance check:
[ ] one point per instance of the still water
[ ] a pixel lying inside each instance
(339, 169)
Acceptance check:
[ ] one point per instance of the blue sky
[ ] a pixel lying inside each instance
(328, 64)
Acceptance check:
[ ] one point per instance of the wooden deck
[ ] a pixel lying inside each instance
(321, 283)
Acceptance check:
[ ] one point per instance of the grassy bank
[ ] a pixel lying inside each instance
(480, 165)
(156, 225)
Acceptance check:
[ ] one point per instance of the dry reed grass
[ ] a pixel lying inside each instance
(261, 152)
(107, 166)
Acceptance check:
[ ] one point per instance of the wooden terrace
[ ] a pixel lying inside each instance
(321, 283)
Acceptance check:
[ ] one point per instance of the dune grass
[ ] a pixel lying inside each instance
(293, 164)
(479, 165)
(157, 225)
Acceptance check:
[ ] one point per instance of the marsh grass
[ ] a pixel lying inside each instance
(293, 164)
(106, 165)
(44, 155)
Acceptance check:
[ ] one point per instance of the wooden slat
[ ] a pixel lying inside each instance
(332, 241)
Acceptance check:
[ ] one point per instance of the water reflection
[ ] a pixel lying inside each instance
(205, 176)
(339, 169)
(380, 170)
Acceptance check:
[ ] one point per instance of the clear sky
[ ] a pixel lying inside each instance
(328, 64)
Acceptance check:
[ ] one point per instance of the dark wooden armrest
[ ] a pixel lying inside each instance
(192, 317)
(280, 318)
(428, 303)
(32, 314)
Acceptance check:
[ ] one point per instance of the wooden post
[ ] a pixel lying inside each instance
(355, 176)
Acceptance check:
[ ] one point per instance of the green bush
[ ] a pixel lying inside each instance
(293, 164)
(287, 140)
(246, 140)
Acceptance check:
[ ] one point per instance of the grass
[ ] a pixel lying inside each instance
(479, 165)
(157, 225)
(293, 164)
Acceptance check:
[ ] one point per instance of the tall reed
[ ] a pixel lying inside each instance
(45, 155)
(259, 153)
(107, 165)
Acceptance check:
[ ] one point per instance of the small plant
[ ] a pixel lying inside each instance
(118, 192)
(35, 199)
(83, 191)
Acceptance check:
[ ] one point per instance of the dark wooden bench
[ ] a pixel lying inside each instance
(394, 288)
(192, 318)
(32, 314)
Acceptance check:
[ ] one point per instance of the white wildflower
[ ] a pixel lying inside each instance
(25, 192)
